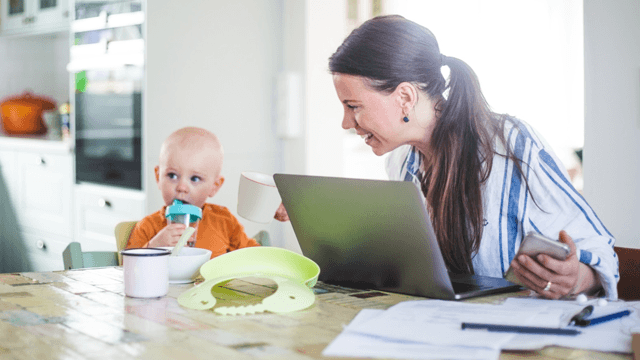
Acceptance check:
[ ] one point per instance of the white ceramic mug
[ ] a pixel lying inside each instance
(146, 272)
(258, 197)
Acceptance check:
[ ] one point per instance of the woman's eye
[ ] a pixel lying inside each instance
(172, 176)
(196, 178)
(352, 107)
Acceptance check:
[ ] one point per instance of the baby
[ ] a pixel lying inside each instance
(189, 171)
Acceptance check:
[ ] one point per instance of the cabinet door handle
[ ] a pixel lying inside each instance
(104, 203)
(40, 244)
(41, 161)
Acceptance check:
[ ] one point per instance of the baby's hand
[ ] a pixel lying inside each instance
(168, 236)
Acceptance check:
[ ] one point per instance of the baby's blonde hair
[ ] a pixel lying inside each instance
(198, 139)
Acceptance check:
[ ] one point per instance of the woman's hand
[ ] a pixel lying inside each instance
(281, 214)
(554, 279)
(168, 236)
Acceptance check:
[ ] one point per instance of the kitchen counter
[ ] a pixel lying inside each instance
(36, 143)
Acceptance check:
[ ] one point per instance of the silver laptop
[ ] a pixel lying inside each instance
(374, 234)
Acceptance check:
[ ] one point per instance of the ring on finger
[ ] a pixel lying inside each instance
(546, 288)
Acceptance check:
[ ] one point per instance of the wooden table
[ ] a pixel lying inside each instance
(84, 314)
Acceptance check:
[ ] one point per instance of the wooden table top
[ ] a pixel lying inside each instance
(84, 314)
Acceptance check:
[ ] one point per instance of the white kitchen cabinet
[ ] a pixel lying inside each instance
(34, 16)
(99, 209)
(37, 222)
(43, 251)
(44, 192)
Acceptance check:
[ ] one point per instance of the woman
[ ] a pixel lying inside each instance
(488, 179)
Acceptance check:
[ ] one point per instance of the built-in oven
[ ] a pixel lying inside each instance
(107, 67)
(108, 139)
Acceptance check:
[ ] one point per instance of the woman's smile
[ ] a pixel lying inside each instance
(367, 138)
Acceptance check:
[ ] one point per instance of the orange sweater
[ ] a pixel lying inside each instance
(218, 231)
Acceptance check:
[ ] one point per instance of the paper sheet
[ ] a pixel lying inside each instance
(353, 344)
(439, 322)
(428, 329)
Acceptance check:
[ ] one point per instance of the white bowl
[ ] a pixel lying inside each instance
(185, 267)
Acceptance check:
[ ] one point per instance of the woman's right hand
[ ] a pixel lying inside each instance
(281, 214)
(168, 236)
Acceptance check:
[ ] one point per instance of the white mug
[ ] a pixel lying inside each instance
(258, 197)
(146, 272)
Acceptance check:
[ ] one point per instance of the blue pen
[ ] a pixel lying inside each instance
(587, 322)
(520, 329)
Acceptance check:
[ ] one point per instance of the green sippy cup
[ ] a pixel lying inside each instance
(186, 214)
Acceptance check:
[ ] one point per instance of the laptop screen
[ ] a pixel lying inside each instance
(366, 233)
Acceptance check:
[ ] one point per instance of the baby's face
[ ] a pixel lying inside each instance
(188, 175)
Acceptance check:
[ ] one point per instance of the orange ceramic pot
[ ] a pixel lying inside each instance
(22, 114)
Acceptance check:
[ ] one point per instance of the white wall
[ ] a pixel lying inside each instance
(312, 31)
(36, 63)
(326, 29)
(213, 64)
(612, 115)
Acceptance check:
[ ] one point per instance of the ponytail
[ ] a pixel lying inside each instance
(461, 149)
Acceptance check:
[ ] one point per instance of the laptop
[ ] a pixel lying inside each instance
(374, 234)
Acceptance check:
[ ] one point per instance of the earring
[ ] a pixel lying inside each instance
(405, 119)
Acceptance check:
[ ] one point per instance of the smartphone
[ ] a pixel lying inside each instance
(534, 244)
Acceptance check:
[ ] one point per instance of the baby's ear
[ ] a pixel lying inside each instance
(216, 186)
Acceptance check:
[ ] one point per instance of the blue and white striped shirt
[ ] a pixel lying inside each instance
(510, 213)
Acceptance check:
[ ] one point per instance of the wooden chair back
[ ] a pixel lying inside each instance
(123, 231)
(629, 284)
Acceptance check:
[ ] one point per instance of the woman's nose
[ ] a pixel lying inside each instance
(348, 122)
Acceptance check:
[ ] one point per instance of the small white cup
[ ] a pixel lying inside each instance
(146, 272)
(258, 197)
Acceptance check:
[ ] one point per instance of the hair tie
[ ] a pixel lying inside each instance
(443, 59)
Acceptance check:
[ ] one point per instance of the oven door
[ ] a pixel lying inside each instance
(108, 139)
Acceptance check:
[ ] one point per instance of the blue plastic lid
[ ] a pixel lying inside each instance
(178, 208)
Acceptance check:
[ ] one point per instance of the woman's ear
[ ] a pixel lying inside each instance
(216, 186)
(407, 96)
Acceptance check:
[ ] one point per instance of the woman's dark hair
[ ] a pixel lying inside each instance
(389, 50)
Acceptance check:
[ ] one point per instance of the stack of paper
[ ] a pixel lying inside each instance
(431, 329)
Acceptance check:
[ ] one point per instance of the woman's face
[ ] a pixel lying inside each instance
(376, 116)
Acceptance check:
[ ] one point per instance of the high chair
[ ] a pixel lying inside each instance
(123, 231)
(74, 258)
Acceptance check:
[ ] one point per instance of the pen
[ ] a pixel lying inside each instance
(587, 322)
(520, 329)
(581, 315)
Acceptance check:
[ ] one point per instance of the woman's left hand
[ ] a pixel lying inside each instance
(547, 276)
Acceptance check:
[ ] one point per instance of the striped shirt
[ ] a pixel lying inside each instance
(510, 213)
